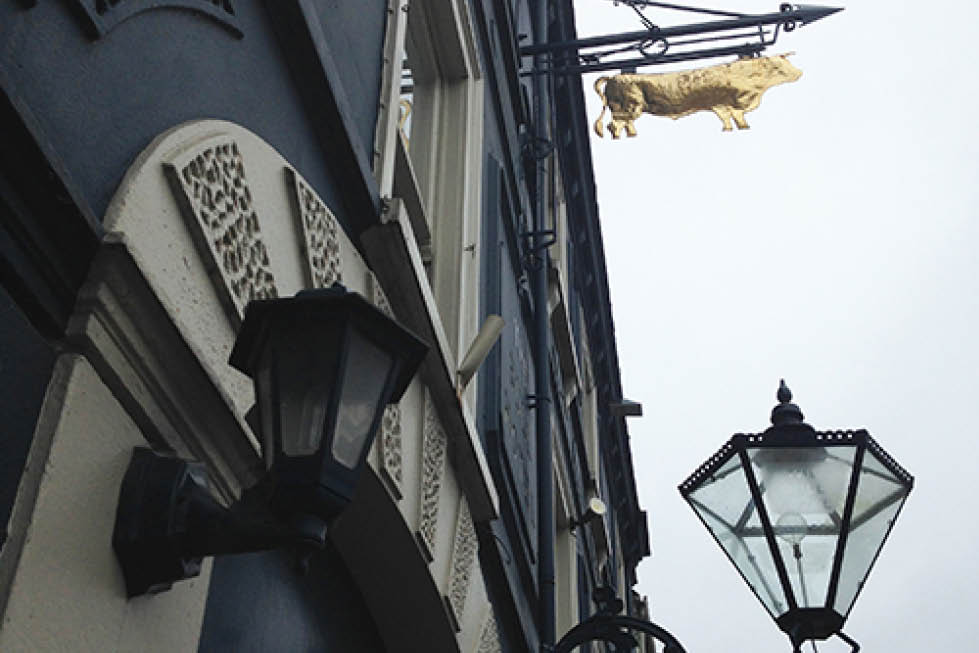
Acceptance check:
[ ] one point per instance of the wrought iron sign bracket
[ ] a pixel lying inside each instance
(659, 45)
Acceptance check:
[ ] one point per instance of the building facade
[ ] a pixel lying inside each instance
(163, 163)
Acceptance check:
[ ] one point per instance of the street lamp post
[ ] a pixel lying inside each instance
(802, 514)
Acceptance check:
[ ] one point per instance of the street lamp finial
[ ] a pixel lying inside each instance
(785, 412)
(784, 394)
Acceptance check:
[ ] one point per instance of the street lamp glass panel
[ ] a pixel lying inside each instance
(723, 501)
(880, 495)
(804, 491)
(368, 369)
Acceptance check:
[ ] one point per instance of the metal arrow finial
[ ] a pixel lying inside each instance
(806, 14)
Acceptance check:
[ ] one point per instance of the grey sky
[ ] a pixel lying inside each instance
(833, 244)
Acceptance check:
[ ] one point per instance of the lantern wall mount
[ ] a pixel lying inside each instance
(324, 363)
(802, 514)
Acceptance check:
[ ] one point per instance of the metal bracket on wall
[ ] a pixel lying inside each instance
(531, 243)
(535, 242)
(538, 147)
(532, 401)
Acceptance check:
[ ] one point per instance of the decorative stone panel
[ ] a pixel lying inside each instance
(463, 557)
(216, 203)
(320, 234)
(390, 449)
(389, 440)
(378, 297)
(489, 638)
(434, 445)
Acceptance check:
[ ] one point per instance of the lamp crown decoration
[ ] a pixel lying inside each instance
(786, 412)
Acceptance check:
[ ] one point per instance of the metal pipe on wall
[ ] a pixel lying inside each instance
(542, 386)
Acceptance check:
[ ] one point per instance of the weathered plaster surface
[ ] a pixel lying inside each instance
(67, 592)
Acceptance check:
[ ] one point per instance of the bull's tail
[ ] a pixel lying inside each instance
(599, 85)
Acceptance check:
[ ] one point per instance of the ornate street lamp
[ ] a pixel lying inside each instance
(802, 514)
(325, 363)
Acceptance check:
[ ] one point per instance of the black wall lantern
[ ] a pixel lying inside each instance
(325, 363)
(802, 514)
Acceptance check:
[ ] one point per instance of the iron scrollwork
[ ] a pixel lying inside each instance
(616, 629)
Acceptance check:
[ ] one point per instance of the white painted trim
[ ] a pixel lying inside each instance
(386, 133)
(396, 260)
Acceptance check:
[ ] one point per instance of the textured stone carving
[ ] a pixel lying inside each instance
(489, 639)
(433, 470)
(104, 15)
(391, 453)
(390, 448)
(217, 205)
(378, 297)
(321, 234)
(463, 557)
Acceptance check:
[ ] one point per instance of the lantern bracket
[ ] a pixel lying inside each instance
(167, 521)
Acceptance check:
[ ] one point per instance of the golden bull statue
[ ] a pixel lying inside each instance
(729, 90)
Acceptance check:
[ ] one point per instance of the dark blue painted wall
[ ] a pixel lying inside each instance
(26, 361)
(259, 602)
(97, 103)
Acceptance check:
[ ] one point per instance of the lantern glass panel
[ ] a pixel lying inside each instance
(724, 503)
(365, 377)
(879, 497)
(265, 393)
(804, 490)
(293, 384)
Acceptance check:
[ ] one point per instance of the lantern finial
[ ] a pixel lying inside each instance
(784, 394)
(786, 412)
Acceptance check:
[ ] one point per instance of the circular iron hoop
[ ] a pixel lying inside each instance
(603, 627)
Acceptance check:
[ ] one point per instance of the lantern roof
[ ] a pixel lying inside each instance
(797, 437)
(312, 308)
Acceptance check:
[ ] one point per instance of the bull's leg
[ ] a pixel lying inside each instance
(724, 113)
(615, 128)
(630, 128)
(739, 119)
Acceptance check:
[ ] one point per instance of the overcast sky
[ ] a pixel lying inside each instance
(836, 244)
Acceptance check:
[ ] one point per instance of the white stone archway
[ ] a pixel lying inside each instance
(207, 217)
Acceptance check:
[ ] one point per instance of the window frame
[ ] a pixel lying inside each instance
(439, 173)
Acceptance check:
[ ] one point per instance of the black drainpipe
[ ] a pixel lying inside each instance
(542, 387)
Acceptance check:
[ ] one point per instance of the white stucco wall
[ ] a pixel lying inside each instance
(68, 592)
